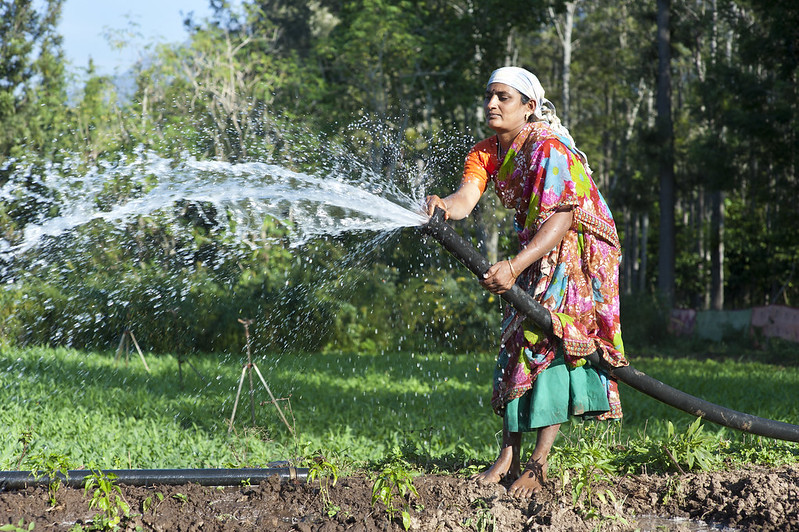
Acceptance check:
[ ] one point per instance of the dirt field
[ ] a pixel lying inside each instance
(752, 499)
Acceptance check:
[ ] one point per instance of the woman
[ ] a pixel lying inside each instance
(568, 261)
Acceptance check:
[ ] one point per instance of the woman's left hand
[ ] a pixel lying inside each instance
(499, 278)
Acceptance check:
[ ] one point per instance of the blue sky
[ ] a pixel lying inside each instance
(84, 22)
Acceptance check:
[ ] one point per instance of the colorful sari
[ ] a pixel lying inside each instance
(577, 281)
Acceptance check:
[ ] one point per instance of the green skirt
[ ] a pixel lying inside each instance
(559, 392)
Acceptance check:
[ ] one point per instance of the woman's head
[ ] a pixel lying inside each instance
(524, 82)
(530, 94)
(506, 109)
(513, 97)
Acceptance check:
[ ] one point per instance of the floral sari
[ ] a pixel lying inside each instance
(577, 281)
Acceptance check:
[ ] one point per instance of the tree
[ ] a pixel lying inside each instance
(666, 171)
(95, 121)
(31, 75)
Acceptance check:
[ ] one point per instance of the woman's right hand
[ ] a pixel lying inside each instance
(431, 202)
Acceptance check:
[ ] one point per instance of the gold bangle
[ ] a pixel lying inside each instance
(512, 272)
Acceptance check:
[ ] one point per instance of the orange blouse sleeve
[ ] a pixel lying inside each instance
(481, 164)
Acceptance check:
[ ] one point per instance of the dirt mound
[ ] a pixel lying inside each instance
(757, 498)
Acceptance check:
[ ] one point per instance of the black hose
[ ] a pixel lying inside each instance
(150, 477)
(525, 304)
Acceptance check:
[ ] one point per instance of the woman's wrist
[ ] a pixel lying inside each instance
(512, 269)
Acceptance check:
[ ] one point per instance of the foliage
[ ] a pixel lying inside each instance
(642, 318)
(19, 527)
(152, 502)
(395, 481)
(293, 83)
(693, 448)
(108, 499)
(484, 521)
(433, 407)
(53, 466)
(327, 474)
(32, 70)
(584, 463)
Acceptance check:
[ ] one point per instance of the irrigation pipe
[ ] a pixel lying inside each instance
(13, 480)
(525, 304)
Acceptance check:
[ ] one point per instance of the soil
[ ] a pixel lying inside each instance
(750, 499)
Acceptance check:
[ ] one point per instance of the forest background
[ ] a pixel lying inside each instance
(687, 110)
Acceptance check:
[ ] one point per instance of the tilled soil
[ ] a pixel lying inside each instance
(750, 499)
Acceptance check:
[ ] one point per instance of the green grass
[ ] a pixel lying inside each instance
(355, 408)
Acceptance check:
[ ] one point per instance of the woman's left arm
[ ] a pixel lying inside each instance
(501, 276)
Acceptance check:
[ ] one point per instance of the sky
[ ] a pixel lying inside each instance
(84, 22)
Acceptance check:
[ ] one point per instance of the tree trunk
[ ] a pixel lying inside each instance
(666, 142)
(717, 201)
(701, 300)
(564, 29)
(628, 251)
(643, 252)
(717, 251)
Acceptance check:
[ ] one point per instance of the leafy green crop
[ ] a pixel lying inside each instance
(355, 407)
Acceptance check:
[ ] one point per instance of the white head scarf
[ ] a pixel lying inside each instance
(527, 83)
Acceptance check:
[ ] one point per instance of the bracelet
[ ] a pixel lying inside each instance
(512, 272)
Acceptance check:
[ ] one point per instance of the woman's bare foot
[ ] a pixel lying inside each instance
(531, 480)
(506, 466)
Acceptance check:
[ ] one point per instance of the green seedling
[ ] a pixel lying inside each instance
(585, 463)
(26, 438)
(19, 527)
(106, 497)
(673, 490)
(395, 482)
(693, 449)
(152, 502)
(49, 465)
(183, 499)
(484, 520)
(327, 474)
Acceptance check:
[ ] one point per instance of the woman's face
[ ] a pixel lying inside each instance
(504, 110)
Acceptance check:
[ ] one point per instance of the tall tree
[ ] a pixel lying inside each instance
(30, 57)
(49, 92)
(666, 162)
(565, 25)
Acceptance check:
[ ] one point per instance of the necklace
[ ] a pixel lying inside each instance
(500, 153)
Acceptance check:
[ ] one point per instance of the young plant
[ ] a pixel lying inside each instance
(585, 463)
(152, 502)
(26, 438)
(484, 520)
(49, 465)
(691, 449)
(182, 498)
(106, 497)
(19, 527)
(395, 482)
(327, 474)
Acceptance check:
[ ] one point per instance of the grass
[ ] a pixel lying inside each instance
(349, 408)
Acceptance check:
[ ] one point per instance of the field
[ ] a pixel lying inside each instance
(423, 418)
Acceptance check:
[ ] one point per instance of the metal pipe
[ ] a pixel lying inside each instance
(12, 480)
(525, 304)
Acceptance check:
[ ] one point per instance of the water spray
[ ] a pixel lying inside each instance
(525, 304)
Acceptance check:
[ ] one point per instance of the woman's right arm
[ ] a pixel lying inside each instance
(457, 205)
